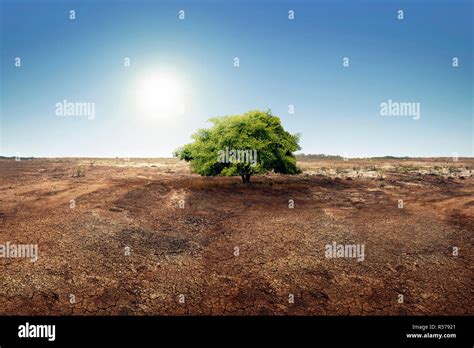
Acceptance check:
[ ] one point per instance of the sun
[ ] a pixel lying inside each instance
(159, 95)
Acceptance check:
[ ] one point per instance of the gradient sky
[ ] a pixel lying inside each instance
(282, 62)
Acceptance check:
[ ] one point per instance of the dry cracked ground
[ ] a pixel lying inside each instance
(127, 248)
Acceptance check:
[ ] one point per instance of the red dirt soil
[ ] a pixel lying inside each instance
(192, 251)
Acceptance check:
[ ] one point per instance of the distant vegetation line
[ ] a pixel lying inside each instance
(300, 156)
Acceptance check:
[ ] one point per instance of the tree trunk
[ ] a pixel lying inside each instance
(246, 179)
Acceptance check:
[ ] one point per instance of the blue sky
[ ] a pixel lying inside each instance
(282, 62)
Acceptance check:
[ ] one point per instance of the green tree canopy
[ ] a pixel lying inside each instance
(243, 145)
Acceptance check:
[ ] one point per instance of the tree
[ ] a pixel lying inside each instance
(242, 145)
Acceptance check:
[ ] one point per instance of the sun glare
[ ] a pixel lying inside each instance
(160, 95)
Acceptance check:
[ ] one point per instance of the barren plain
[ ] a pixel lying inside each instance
(113, 238)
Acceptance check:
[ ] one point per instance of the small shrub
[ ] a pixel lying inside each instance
(78, 171)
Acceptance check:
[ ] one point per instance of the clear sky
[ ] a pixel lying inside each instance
(282, 62)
